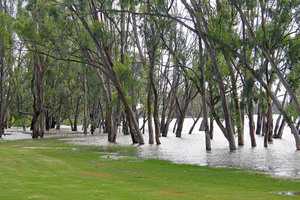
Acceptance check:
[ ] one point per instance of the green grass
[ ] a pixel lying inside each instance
(63, 171)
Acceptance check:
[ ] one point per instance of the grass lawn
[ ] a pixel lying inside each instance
(50, 169)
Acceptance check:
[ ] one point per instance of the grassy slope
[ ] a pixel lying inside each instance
(83, 173)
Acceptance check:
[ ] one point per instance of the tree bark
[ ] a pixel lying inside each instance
(281, 128)
(58, 119)
(259, 121)
(195, 122)
(149, 106)
(240, 129)
(203, 96)
(85, 114)
(251, 122)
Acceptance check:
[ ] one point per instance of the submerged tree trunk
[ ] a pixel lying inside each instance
(211, 127)
(281, 128)
(277, 126)
(219, 79)
(275, 135)
(239, 125)
(180, 124)
(132, 130)
(251, 126)
(203, 97)
(270, 123)
(259, 121)
(153, 88)
(172, 107)
(211, 118)
(150, 122)
(170, 118)
(195, 122)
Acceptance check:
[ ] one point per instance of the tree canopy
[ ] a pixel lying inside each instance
(108, 63)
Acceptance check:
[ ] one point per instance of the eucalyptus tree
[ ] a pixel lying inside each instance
(35, 28)
(197, 12)
(281, 14)
(6, 61)
(153, 27)
(173, 83)
(101, 31)
(267, 46)
(182, 90)
(152, 43)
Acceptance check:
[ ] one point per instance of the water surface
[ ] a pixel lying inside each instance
(279, 159)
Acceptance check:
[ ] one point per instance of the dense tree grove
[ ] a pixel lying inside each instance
(107, 63)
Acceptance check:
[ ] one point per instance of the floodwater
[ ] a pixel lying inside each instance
(279, 159)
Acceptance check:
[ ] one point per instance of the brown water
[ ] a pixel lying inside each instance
(279, 159)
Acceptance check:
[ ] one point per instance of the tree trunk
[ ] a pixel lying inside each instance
(125, 125)
(93, 123)
(116, 120)
(172, 107)
(211, 118)
(252, 128)
(48, 120)
(75, 122)
(170, 118)
(130, 112)
(281, 128)
(149, 107)
(211, 127)
(270, 123)
(195, 122)
(240, 129)
(58, 119)
(264, 125)
(132, 130)
(277, 126)
(34, 123)
(85, 114)
(71, 123)
(163, 112)
(259, 121)
(35, 126)
(287, 117)
(105, 53)
(266, 136)
(203, 95)
(40, 82)
(155, 114)
(278, 119)
(24, 125)
(272, 62)
(180, 124)
(42, 124)
(217, 72)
